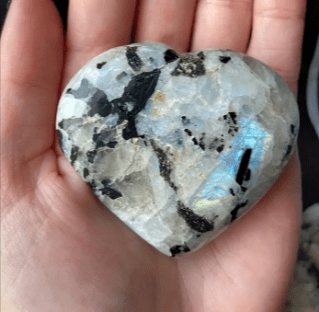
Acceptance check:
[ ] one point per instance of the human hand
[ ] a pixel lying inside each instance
(60, 250)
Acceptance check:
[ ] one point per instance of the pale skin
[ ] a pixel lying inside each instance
(59, 250)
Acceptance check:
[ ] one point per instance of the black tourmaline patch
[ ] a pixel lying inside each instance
(302, 255)
(108, 191)
(247, 176)
(91, 183)
(165, 165)
(190, 66)
(61, 124)
(201, 55)
(185, 120)
(111, 144)
(85, 172)
(91, 155)
(195, 141)
(74, 154)
(233, 117)
(234, 212)
(213, 144)
(195, 222)
(188, 132)
(178, 249)
(201, 142)
(292, 129)
(121, 75)
(243, 166)
(170, 56)
(104, 138)
(232, 192)
(243, 189)
(100, 65)
(137, 92)
(133, 59)
(313, 271)
(59, 136)
(306, 226)
(220, 148)
(288, 151)
(224, 59)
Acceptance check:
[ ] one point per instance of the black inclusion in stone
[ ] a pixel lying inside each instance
(243, 189)
(224, 59)
(302, 255)
(104, 138)
(188, 132)
(185, 120)
(121, 75)
(170, 56)
(201, 142)
(74, 154)
(244, 162)
(100, 104)
(306, 226)
(91, 183)
(195, 222)
(61, 124)
(178, 249)
(232, 192)
(165, 165)
(133, 59)
(59, 136)
(100, 65)
(247, 175)
(234, 212)
(288, 151)
(220, 148)
(190, 66)
(111, 144)
(137, 92)
(85, 172)
(233, 116)
(195, 141)
(91, 155)
(201, 55)
(108, 191)
(292, 129)
(313, 271)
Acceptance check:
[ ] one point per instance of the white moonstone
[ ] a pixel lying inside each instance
(177, 146)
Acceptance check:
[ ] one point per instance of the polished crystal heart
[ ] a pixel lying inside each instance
(177, 146)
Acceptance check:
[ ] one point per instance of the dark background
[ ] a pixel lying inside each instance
(308, 142)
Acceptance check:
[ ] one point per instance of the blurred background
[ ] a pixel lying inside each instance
(308, 96)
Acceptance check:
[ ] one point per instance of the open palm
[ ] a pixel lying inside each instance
(60, 250)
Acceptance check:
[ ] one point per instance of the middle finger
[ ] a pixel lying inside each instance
(165, 21)
(94, 27)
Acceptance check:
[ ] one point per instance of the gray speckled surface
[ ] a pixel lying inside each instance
(304, 292)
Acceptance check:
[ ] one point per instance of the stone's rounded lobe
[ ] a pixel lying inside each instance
(177, 146)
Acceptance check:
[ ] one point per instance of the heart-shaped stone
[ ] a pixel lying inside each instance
(177, 146)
